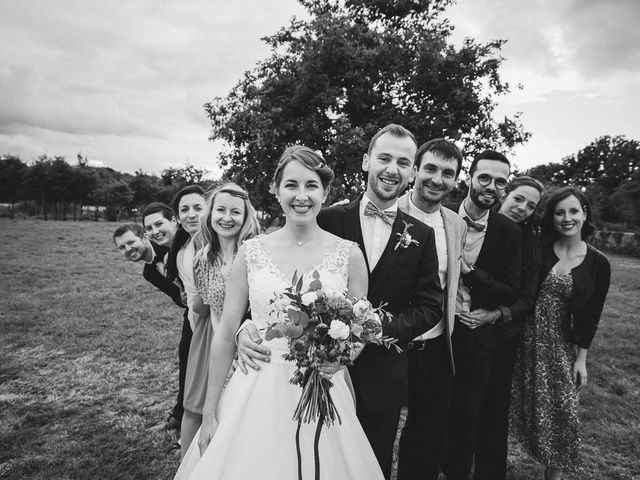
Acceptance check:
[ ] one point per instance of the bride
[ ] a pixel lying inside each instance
(247, 430)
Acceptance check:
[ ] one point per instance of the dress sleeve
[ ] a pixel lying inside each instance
(587, 318)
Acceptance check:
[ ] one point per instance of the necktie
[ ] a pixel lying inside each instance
(388, 216)
(475, 225)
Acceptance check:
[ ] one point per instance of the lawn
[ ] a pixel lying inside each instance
(88, 364)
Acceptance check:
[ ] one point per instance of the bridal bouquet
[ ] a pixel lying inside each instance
(322, 327)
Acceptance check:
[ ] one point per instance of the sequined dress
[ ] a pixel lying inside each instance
(256, 433)
(544, 406)
(211, 282)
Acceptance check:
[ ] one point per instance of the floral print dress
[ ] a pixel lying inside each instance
(544, 406)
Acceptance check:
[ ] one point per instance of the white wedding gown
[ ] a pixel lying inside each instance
(256, 433)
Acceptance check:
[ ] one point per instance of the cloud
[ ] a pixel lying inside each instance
(125, 81)
(592, 37)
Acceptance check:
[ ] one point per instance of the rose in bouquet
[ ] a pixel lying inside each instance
(322, 327)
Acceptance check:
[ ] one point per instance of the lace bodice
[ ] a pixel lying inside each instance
(265, 278)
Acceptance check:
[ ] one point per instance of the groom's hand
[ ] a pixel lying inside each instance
(250, 350)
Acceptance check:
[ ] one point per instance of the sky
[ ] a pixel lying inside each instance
(123, 83)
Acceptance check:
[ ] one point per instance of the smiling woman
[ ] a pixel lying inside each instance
(551, 367)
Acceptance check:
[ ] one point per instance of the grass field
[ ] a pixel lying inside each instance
(88, 364)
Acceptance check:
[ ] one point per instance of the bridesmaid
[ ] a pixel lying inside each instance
(229, 219)
(519, 203)
(551, 367)
(190, 205)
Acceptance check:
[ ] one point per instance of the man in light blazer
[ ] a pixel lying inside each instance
(431, 365)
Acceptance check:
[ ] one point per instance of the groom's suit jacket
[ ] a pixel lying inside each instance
(455, 230)
(152, 275)
(406, 280)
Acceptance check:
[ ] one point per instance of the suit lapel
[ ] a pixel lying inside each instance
(449, 235)
(352, 227)
(488, 239)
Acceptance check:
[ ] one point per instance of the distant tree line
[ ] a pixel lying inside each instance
(52, 188)
(608, 169)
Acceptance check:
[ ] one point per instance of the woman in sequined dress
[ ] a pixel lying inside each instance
(551, 366)
(228, 220)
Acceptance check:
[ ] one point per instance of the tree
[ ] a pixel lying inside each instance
(331, 82)
(83, 184)
(37, 183)
(179, 177)
(146, 188)
(116, 197)
(12, 174)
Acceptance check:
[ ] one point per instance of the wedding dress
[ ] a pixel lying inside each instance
(255, 438)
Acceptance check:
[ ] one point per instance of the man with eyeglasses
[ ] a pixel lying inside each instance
(490, 276)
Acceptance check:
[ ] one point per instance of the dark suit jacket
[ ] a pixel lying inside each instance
(496, 277)
(153, 276)
(407, 281)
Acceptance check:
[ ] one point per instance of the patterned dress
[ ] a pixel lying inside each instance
(544, 406)
(211, 281)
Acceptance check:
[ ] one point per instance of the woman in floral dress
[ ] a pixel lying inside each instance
(551, 367)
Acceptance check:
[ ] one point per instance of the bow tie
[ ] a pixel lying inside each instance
(475, 225)
(388, 216)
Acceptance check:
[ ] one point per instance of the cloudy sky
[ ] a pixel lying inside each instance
(124, 82)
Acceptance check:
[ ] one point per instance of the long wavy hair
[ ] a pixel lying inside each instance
(181, 237)
(207, 238)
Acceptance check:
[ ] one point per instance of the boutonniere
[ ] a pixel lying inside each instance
(405, 238)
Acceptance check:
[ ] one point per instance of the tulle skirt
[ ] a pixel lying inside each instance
(256, 433)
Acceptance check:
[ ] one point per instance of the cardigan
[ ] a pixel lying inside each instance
(514, 316)
(590, 286)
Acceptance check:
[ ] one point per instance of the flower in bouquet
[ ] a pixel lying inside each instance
(322, 327)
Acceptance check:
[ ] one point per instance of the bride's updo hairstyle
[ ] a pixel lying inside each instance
(307, 157)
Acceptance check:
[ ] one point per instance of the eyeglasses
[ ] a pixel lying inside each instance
(485, 180)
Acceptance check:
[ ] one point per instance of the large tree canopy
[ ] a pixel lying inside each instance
(333, 80)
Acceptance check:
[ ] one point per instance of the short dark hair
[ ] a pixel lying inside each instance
(441, 148)
(395, 130)
(158, 207)
(548, 230)
(135, 228)
(488, 155)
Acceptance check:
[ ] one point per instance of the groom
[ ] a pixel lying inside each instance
(401, 257)
(403, 276)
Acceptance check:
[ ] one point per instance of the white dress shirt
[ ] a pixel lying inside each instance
(435, 221)
(375, 232)
(470, 252)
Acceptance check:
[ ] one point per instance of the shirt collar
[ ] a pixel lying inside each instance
(153, 253)
(483, 220)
